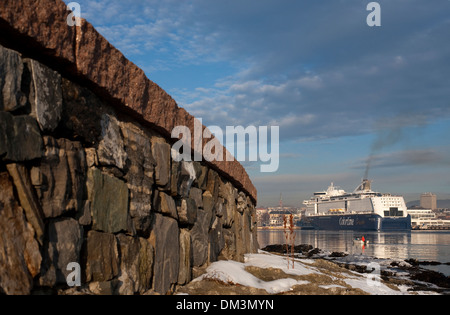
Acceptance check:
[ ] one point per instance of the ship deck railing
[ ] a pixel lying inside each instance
(340, 213)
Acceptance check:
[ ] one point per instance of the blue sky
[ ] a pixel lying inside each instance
(341, 92)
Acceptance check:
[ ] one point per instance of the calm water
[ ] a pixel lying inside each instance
(421, 245)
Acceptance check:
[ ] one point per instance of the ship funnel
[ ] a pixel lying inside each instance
(366, 185)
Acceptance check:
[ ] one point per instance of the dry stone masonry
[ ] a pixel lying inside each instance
(86, 176)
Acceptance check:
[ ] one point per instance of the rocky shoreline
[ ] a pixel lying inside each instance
(398, 272)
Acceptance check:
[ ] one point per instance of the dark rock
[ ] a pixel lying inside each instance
(27, 198)
(411, 261)
(84, 215)
(303, 248)
(357, 268)
(187, 211)
(230, 209)
(216, 239)
(247, 232)
(65, 237)
(82, 113)
(201, 172)
(196, 195)
(105, 287)
(165, 204)
(91, 157)
(139, 175)
(176, 166)
(228, 251)
(186, 178)
(111, 147)
(161, 153)
(429, 263)
(338, 254)
(167, 253)
(109, 202)
(220, 207)
(313, 252)
(61, 177)
(241, 202)
(11, 70)
(224, 188)
(20, 138)
(46, 105)
(199, 237)
(20, 258)
(239, 231)
(212, 183)
(5, 124)
(433, 277)
(275, 248)
(136, 266)
(209, 206)
(184, 275)
(102, 257)
(254, 217)
(281, 248)
(227, 192)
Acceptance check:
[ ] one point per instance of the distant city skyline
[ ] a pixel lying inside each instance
(408, 198)
(348, 98)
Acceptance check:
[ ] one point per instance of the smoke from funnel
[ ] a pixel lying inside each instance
(389, 133)
(369, 162)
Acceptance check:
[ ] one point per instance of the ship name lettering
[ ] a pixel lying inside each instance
(346, 221)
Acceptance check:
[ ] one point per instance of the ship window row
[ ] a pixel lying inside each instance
(419, 216)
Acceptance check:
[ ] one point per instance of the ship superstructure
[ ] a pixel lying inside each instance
(363, 209)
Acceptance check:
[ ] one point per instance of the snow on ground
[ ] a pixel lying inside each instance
(235, 273)
(266, 260)
(372, 287)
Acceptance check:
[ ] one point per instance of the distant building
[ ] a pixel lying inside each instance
(262, 217)
(426, 219)
(428, 201)
(274, 216)
(277, 216)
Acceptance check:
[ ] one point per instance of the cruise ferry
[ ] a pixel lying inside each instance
(363, 209)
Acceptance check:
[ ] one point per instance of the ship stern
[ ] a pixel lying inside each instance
(396, 223)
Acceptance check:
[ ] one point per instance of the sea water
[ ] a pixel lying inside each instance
(420, 245)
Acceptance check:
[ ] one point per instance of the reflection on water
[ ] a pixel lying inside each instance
(421, 245)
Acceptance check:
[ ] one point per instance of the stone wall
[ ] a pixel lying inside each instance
(85, 180)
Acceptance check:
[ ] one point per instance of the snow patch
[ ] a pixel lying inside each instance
(266, 260)
(234, 272)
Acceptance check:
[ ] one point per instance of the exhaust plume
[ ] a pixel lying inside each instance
(389, 133)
